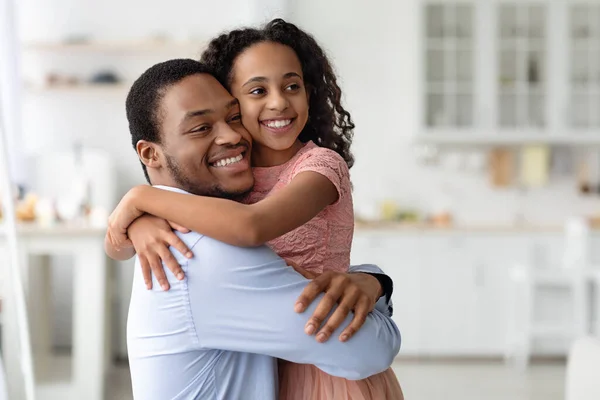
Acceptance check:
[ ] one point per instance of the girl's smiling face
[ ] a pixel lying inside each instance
(267, 80)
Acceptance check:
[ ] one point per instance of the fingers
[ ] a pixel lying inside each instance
(361, 311)
(167, 257)
(146, 272)
(158, 271)
(119, 240)
(178, 227)
(311, 291)
(346, 305)
(174, 240)
(329, 300)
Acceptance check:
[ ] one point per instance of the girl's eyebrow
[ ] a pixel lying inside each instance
(263, 79)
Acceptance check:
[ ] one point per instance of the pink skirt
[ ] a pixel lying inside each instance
(307, 382)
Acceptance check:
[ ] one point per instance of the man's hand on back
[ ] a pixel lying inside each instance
(352, 292)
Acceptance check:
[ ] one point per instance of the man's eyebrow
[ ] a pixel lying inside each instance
(197, 113)
(200, 113)
(232, 104)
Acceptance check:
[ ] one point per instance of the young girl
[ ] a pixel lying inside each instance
(301, 204)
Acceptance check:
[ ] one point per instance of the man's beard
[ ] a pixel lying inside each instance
(185, 183)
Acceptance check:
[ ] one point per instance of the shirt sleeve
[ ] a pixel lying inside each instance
(243, 300)
(329, 164)
(384, 304)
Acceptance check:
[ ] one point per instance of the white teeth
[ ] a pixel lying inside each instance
(227, 161)
(279, 123)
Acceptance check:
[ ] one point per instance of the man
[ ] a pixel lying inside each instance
(216, 333)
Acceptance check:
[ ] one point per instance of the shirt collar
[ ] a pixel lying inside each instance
(171, 189)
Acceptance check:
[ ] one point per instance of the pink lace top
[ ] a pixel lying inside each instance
(323, 243)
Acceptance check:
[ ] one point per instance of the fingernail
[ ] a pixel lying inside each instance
(148, 286)
(189, 254)
(164, 286)
(299, 307)
(310, 329)
(343, 338)
(321, 337)
(180, 276)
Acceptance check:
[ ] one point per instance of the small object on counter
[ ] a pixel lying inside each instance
(441, 220)
(583, 177)
(46, 214)
(388, 210)
(54, 79)
(535, 160)
(77, 39)
(561, 161)
(25, 209)
(501, 167)
(105, 77)
(593, 161)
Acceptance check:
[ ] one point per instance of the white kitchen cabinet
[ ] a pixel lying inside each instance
(584, 65)
(500, 71)
(400, 257)
(451, 288)
(447, 296)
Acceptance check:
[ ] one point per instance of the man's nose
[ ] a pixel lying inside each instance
(227, 136)
(277, 101)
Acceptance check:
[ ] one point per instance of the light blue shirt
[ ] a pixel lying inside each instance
(217, 333)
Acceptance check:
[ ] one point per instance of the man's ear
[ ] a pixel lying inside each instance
(150, 154)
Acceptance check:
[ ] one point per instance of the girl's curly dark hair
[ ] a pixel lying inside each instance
(329, 124)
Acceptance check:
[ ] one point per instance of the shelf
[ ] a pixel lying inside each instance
(585, 91)
(521, 90)
(80, 88)
(475, 138)
(450, 88)
(552, 330)
(107, 47)
(522, 45)
(449, 44)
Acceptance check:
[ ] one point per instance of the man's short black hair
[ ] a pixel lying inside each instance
(146, 93)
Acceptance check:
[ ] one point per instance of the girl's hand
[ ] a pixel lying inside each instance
(178, 227)
(151, 237)
(121, 218)
(355, 292)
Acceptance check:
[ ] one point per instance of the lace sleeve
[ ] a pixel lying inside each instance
(329, 164)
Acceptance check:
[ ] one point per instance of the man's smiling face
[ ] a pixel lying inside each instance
(206, 150)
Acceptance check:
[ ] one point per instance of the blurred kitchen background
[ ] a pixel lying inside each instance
(476, 183)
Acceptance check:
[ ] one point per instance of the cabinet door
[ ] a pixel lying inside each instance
(449, 65)
(465, 289)
(492, 256)
(584, 65)
(448, 296)
(522, 65)
(399, 256)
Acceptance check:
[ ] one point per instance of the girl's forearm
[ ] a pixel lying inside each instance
(221, 219)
